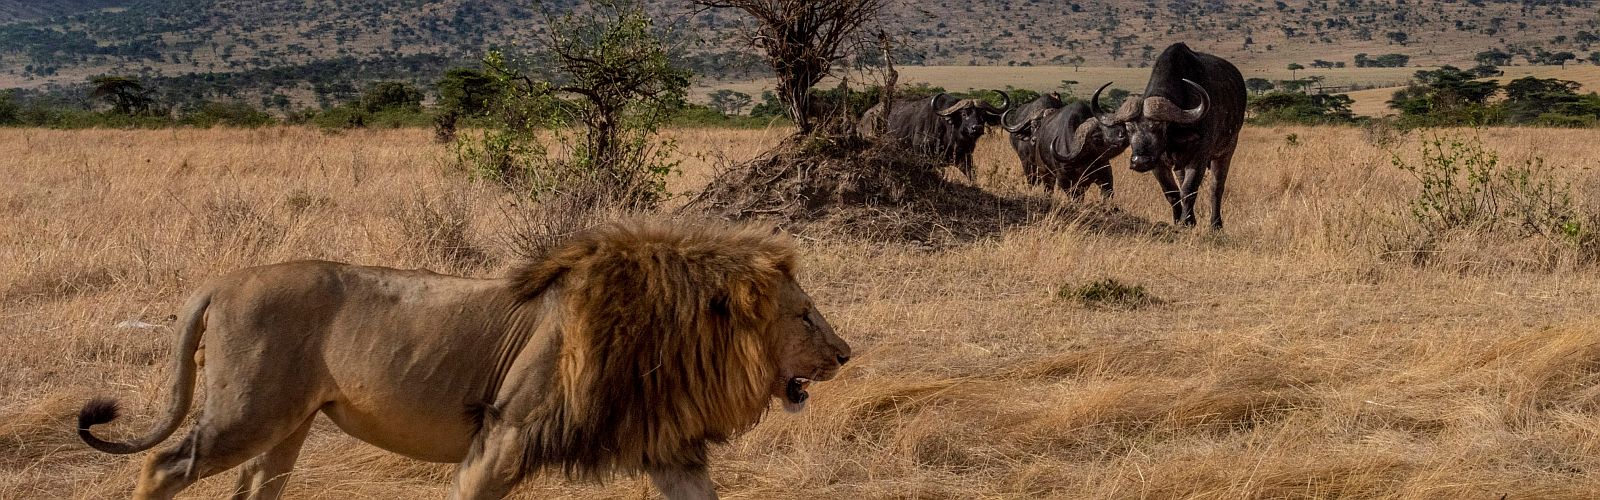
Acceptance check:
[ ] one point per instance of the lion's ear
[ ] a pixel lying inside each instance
(751, 300)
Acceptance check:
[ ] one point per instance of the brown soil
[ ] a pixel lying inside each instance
(847, 186)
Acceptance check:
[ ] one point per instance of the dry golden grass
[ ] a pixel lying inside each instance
(1288, 357)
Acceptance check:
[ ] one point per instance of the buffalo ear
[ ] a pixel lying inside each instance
(991, 119)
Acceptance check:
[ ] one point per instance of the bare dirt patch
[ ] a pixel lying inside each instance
(845, 186)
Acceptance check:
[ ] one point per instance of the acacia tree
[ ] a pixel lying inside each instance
(802, 39)
(605, 70)
(729, 102)
(126, 95)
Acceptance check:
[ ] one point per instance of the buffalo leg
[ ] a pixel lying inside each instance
(1192, 175)
(1169, 188)
(1077, 189)
(1049, 179)
(1067, 180)
(1030, 172)
(1219, 178)
(1102, 177)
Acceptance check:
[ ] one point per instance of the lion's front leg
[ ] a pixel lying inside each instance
(684, 483)
(494, 465)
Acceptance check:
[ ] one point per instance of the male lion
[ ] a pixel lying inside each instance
(627, 349)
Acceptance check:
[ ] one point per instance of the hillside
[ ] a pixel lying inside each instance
(31, 10)
(62, 43)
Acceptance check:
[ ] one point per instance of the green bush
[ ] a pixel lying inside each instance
(231, 114)
(400, 118)
(498, 154)
(348, 115)
(1564, 120)
(1299, 107)
(1464, 186)
(10, 112)
(80, 119)
(383, 96)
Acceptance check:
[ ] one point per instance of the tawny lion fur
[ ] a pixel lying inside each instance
(629, 348)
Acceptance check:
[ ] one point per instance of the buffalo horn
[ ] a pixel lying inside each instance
(1094, 103)
(1160, 108)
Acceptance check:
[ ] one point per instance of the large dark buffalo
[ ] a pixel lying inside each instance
(941, 125)
(1188, 120)
(1071, 147)
(1022, 122)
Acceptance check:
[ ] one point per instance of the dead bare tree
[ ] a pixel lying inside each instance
(891, 81)
(802, 40)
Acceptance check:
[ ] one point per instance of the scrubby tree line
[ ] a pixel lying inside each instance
(121, 101)
(1448, 96)
(1452, 96)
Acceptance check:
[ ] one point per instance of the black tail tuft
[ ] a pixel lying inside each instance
(95, 412)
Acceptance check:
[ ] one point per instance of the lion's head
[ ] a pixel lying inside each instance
(675, 336)
(810, 351)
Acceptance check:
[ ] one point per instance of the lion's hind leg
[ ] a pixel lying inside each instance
(220, 440)
(265, 476)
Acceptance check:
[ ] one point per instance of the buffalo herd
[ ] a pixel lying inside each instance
(1185, 123)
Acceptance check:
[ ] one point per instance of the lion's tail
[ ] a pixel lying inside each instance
(101, 410)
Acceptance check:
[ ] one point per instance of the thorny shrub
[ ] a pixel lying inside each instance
(1467, 192)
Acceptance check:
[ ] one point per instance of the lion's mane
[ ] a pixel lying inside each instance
(664, 343)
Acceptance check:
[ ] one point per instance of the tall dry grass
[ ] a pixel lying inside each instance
(1290, 356)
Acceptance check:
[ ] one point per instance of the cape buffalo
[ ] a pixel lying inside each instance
(1187, 120)
(940, 125)
(1072, 147)
(1022, 122)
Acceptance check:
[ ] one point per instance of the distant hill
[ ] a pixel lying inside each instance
(295, 47)
(31, 10)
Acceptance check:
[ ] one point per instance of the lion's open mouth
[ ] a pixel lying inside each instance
(795, 395)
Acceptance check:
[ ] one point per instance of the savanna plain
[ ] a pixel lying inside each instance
(1307, 351)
